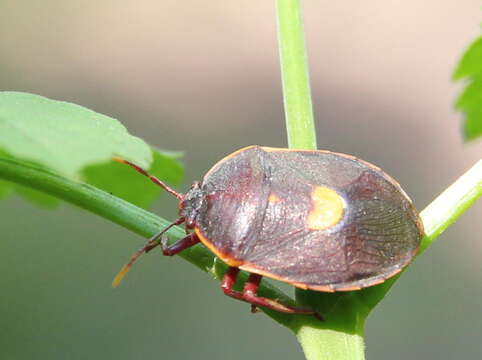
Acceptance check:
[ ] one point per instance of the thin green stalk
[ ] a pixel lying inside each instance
(341, 336)
(436, 217)
(126, 215)
(451, 203)
(294, 72)
(330, 343)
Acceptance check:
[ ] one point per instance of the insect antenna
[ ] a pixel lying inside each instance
(154, 179)
(150, 244)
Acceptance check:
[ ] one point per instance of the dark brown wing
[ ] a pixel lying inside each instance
(378, 235)
(236, 191)
(257, 202)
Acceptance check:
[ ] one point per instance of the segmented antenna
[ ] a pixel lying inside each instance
(154, 179)
(153, 241)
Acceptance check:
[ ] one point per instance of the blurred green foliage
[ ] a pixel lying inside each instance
(79, 143)
(470, 100)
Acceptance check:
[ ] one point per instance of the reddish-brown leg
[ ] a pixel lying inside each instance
(249, 294)
(157, 239)
(154, 241)
(178, 246)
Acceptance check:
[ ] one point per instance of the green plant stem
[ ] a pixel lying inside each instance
(294, 72)
(450, 204)
(125, 214)
(436, 217)
(327, 343)
(331, 344)
(343, 339)
(341, 336)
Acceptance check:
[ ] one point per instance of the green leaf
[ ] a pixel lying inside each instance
(470, 100)
(340, 337)
(62, 136)
(78, 143)
(5, 188)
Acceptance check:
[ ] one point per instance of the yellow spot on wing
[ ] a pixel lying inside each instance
(273, 198)
(327, 208)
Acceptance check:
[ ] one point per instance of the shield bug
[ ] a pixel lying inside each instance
(317, 220)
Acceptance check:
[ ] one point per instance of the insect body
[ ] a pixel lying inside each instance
(318, 220)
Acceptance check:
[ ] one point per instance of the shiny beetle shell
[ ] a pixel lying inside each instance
(315, 219)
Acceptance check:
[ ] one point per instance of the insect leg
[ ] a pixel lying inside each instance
(228, 282)
(178, 246)
(154, 241)
(249, 294)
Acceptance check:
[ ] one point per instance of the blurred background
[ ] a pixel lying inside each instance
(203, 77)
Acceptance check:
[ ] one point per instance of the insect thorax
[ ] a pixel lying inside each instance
(191, 204)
